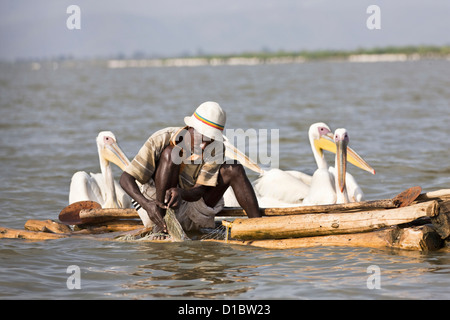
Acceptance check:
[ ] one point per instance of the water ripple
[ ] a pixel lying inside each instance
(395, 113)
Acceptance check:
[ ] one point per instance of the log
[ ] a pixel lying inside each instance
(441, 221)
(440, 195)
(46, 226)
(306, 225)
(111, 226)
(7, 233)
(421, 238)
(108, 214)
(292, 210)
(374, 239)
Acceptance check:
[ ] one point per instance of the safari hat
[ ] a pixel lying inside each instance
(208, 119)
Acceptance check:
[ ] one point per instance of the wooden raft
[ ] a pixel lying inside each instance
(307, 225)
(422, 226)
(420, 238)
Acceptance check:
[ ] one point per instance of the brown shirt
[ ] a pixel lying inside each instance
(144, 163)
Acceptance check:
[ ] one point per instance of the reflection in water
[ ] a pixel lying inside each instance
(198, 270)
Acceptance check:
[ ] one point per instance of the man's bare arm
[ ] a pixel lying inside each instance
(175, 195)
(128, 183)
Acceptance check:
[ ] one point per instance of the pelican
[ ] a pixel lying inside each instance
(101, 187)
(341, 140)
(322, 189)
(277, 187)
(294, 187)
(333, 185)
(281, 186)
(347, 189)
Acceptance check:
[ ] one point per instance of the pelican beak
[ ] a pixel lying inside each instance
(113, 153)
(356, 160)
(326, 142)
(233, 153)
(341, 162)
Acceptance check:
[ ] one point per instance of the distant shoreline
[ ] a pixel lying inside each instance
(385, 54)
(331, 54)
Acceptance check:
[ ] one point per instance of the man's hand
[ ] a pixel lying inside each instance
(153, 212)
(128, 183)
(173, 198)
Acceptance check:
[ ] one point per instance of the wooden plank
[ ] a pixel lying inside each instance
(7, 233)
(440, 195)
(111, 213)
(282, 211)
(46, 226)
(375, 239)
(421, 238)
(306, 225)
(443, 194)
(442, 220)
(111, 226)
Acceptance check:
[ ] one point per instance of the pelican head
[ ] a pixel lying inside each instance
(323, 139)
(341, 140)
(109, 150)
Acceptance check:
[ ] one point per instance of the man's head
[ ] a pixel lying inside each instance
(205, 131)
(209, 120)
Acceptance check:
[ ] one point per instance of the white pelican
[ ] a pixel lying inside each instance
(347, 189)
(101, 187)
(277, 187)
(341, 139)
(293, 187)
(326, 181)
(322, 189)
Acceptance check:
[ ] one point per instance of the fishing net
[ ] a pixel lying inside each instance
(220, 232)
(176, 232)
(217, 233)
(174, 227)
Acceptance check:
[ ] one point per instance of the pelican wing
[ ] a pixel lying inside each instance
(84, 187)
(282, 186)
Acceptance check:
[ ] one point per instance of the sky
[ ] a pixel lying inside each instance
(37, 29)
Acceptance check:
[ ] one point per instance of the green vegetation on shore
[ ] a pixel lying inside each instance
(423, 51)
(386, 54)
(140, 59)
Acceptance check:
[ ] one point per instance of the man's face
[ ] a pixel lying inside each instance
(199, 142)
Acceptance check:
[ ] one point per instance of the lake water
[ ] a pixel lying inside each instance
(397, 115)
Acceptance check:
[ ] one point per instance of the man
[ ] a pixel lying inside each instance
(184, 169)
